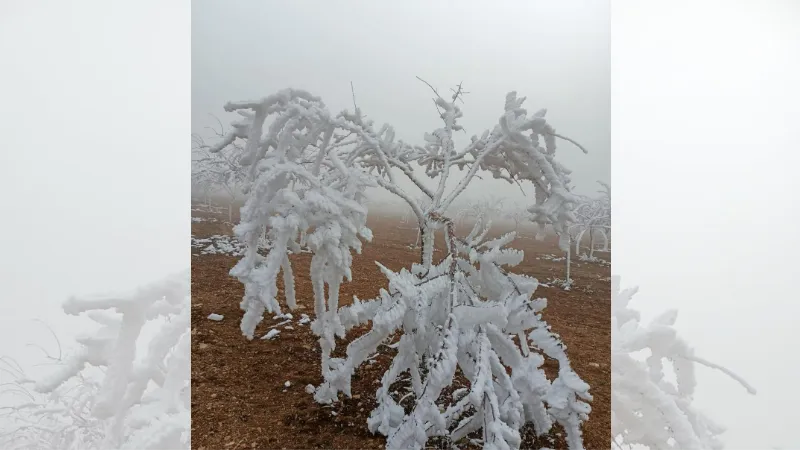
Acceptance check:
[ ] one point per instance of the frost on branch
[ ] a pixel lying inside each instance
(462, 313)
(301, 199)
(647, 409)
(58, 420)
(139, 403)
(308, 171)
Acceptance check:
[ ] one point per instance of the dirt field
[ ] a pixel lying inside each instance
(239, 396)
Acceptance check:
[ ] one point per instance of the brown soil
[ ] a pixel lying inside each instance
(239, 400)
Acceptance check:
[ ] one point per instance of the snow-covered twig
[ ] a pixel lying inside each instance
(647, 409)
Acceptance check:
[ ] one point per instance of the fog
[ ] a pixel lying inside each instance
(94, 171)
(705, 214)
(557, 56)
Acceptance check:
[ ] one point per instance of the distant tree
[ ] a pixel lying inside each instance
(221, 169)
(487, 208)
(593, 216)
(516, 215)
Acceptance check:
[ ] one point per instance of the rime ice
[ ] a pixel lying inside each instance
(139, 403)
(647, 409)
(308, 170)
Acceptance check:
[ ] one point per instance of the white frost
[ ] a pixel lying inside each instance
(272, 334)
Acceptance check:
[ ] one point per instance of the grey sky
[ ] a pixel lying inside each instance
(556, 54)
(94, 171)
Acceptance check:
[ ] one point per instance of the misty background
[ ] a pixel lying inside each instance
(705, 102)
(557, 57)
(94, 178)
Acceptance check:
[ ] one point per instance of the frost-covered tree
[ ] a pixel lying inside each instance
(465, 314)
(593, 215)
(487, 209)
(647, 407)
(201, 187)
(218, 170)
(138, 402)
(516, 215)
(61, 419)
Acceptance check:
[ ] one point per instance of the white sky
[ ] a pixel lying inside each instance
(705, 143)
(95, 164)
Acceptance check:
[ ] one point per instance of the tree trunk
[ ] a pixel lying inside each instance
(569, 248)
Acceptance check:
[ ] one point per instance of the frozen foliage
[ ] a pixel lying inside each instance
(61, 419)
(217, 170)
(646, 408)
(460, 313)
(308, 170)
(137, 403)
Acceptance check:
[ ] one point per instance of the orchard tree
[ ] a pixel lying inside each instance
(218, 170)
(593, 215)
(485, 209)
(201, 185)
(61, 419)
(467, 313)
(646, 408)
(517, 215)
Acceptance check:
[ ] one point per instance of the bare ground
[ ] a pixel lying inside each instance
(239, 397)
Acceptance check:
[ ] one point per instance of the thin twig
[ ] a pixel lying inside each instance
(569, 140)
(353, 91)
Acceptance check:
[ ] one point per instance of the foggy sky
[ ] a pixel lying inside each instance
(705, 206)
(95, 178)
(557, 56)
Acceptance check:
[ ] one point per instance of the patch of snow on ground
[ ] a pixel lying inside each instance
(562, 283)
(594, 259)
(551, 257)
(219, 245)
(272, 334)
